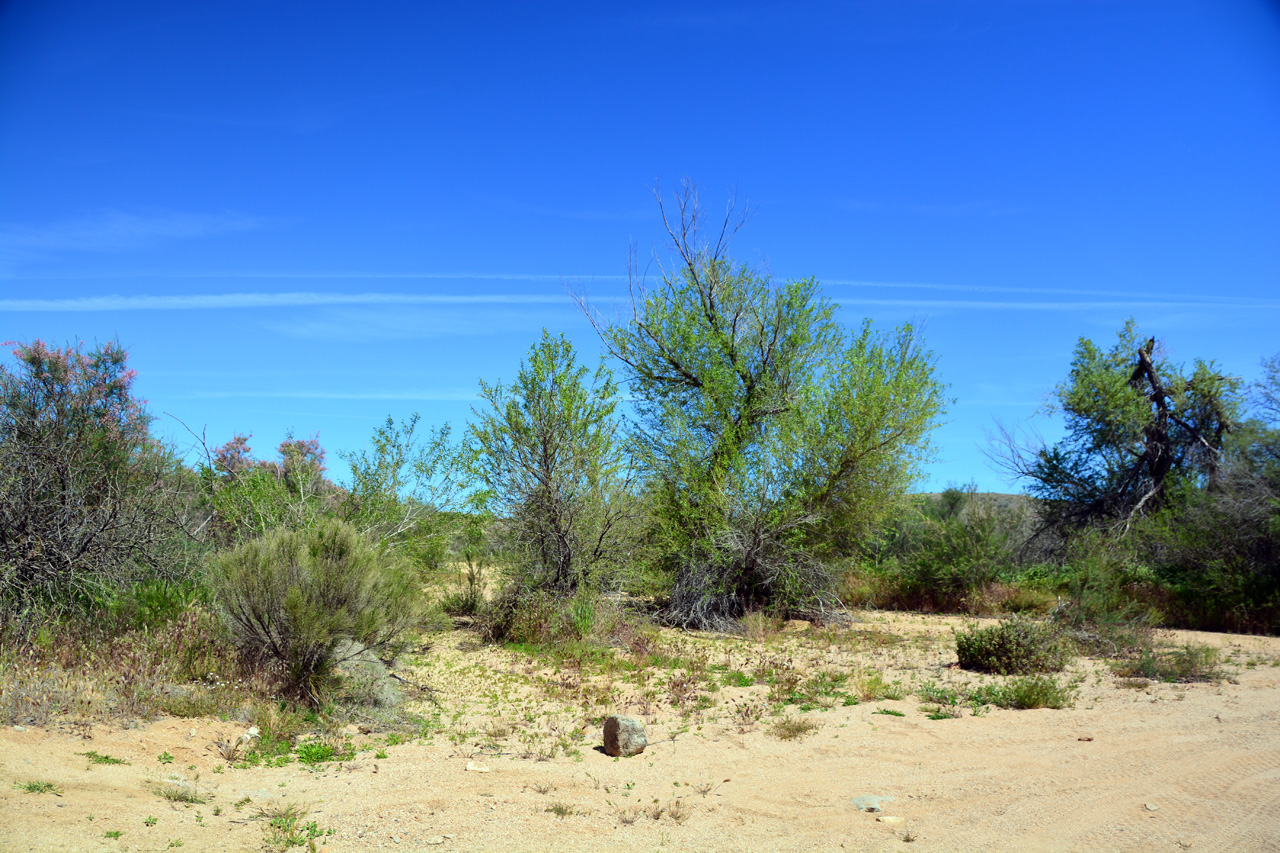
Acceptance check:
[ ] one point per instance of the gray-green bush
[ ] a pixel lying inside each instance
(293, 599)
(1013, 647)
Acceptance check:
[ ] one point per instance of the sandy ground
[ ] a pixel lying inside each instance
(1162, 768)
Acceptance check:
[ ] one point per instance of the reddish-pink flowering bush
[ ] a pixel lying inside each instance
(83, 503)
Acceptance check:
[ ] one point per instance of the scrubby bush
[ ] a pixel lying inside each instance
(1023, 694)
(540, 617)
(293, 599)
(89, 501)
(1013, 647)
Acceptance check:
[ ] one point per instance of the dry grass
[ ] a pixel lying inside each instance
(792, 728)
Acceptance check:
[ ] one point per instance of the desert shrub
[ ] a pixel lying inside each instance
(1191, 662)
(547, 454)
(537, 617)
(945, 553)
(292, 599)
(1026, 693)
(1218, 551)
(1111, 601)
(770, 434)
(1013, 647)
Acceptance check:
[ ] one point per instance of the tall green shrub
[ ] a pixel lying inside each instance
(300, 600)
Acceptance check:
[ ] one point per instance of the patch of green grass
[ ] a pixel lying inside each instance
(115, 833)
(736, 678)
(95, 758)
(320, 751)
(35, 787)
(888, 712)
(285, 828)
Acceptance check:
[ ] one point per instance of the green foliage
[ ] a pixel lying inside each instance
(1013, 647)
(39, 787)
(406, 488)
(303, 601)
(89, 501)
(772, 437)
(250, 497)
(1025, 693)
(948, 561)
(545, 618)
(546, 455)
(1137, 427)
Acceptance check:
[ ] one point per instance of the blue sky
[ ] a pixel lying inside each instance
(309, 216)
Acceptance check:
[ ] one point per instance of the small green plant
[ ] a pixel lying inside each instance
(175, 842)
(95, 758)
(560, 810)
(285, 828)
(735, 678)
(114, 833)
(320, 751)
(150, 820)
(39, 788)
(380, 754)
(888, 712)
(871, 687)
(1014, 647)
(165, 757)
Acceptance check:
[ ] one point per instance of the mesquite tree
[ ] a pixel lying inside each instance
(1137, 425)
(771, 436)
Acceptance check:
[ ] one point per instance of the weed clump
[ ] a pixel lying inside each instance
(1013, 647)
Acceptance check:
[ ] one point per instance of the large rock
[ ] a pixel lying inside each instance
(624, 736)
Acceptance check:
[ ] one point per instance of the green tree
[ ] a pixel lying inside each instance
(89, 501)
(550, 467)
(406, 488)
(1138, 428)
(771, 436)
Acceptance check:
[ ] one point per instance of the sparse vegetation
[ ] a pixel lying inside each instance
(1188, 663)
(39, 787)
(1014, 647)
(792, 728)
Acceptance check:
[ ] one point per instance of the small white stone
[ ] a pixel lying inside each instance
(436, 839)
(479, 768)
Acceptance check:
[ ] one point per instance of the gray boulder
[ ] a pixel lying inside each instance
(624, 736)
